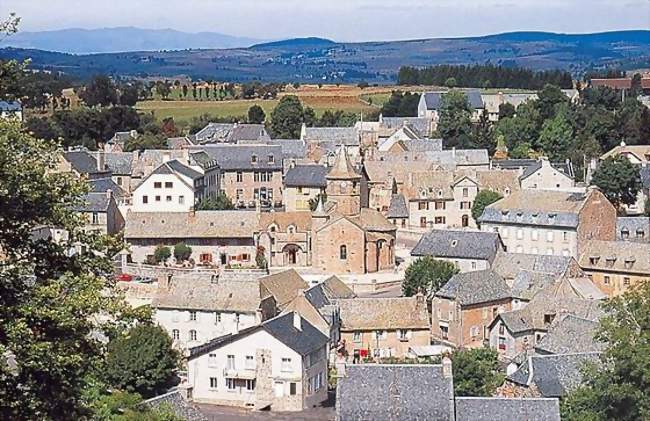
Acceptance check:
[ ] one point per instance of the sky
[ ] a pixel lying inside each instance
(341, 20)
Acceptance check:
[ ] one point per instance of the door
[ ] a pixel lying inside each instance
(465, 220)
(279, 389)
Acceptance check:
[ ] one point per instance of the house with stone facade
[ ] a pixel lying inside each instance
(279, 365)
(544, 175)
(616, 266)
(430, 103)
(195, 309)
(217, 238)
(303, 183)
(101, 213)
(550, 222)
(467, 250)
(286, 238)
(374, 328)
(465, 306)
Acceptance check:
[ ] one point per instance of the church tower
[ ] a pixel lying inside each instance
(344, 185)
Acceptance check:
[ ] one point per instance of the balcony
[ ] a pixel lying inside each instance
(247, 373)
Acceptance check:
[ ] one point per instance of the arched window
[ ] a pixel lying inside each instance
(343, 252)
(192, 335)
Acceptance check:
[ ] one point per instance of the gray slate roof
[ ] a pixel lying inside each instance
(509, 265)
(232, 133)
(489, 409)
(476, 287)
(82, 162)
(637, 228)
(183, 169)
(102, 185)
(306, 176)
(93, 202)
(420, 125)
(239, 157)
(340, 135)
(372, 392)
(458, 244)
(570, 335)
(433, 100)
(423, 145)
(564, 167)
(10, 106)
(644, 172)
(528, 283)
(120, 163)
(398, 207)
(291, 148)
(554, 375)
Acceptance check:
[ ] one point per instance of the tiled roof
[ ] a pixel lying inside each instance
(301, 220)
(398, 207)
(458, 244)
(306, 176)
(370, 392)
(508, 265)
(283, 286)
(341, 135)
(383, 313)
(379, 171)
(178, 142)
(616, 256)
(93, 202)
(642, 152)
(538, 207)
(430, 185)
(342, 168)
(336, 289)
(240, 157)
(489, 409)
(476, 287)
(200, 224)
(191, 293)
(569, 335)
(633, 228)
(554, 375)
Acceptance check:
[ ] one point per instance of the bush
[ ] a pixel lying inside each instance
(182, 252)
(427, 275)
(161, 254)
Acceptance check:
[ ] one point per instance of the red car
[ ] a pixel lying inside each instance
(125, 277)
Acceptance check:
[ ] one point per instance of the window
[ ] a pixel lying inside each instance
(230, 362)
(119, 181)
(534, 234)
(466, 205)
(548, 318)
(441, 205)
(157, 185)
(95, 218)
(240, 176)
(250, 362)
(549, 236)
(212, 360)
(168, 198)
(343, 253)
(213, 382)
(402, 334)
(192, 316)
(502, 344)
(192, 335)
(217, 318)
(356, 336)
(444, 331)
(520, 234)
(253, 159)
(380, 334)
(474, 331)
(145, 200)
(473, 265)
(286, 364)
(181, 200)
(157, 198)
(626, 281)
(423, 205)
(606, 280)
(250, 385)
(423, 222)
(271, 159)
(169, 184)
(176, 334)
(640, 234)
(292, 388)
(230, 385)
(625, 233)
(439, 220)
(465, 192)
(565, 236)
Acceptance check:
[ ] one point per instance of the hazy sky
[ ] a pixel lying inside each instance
(343, 20)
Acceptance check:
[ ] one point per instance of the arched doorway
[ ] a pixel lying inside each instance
(290, 252)
(465, 221)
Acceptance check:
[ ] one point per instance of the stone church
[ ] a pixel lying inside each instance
(340, 236)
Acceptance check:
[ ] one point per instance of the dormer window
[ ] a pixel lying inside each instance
(610, 260)
(625, 233)
(593, 260)
(439, 193)
(629, 262)
(640, 234)
(506, 191)
(253, 159)
(505, 212)
(271, 159)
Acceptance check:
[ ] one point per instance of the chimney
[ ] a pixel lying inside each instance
(296, 321)
(166, 156)
(419, 299)
(446, 367)
(101, 161)
(453, 152)
(109, 193)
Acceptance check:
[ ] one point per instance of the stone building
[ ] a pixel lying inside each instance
(286, 238)
(550, 222)
(383, 327)
(100, 212)
(303, 183)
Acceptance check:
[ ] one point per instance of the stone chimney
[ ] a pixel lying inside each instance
(297, 323)
(101, 161)
(109, 193)
(446, 367)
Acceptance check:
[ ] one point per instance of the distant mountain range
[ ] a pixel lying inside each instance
(323, 60)
(114, 40)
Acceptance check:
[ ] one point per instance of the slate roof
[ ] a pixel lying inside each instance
(200, 224)
(458, 157)
(248, 132)
(291, 148)
(528, 283)
(239, 157)
(508, 265)
(397, 207)
(281, 327)
(433, 100)
(569, 335)
(306, 176)
(10, 106)
(183, 169)
(340, 135)
(102, 185)
(119, 163)
(82, 162)
(282, 286)
(370, 392)
(537, 207)
(342, 167)
(328, 292)
(383, 313)
(178, 142)
(616, 256)
(423, 145)
(644, 173)
(380, 171)
(563, 167)
(489, 409)
(93, 202)
(420, 125)
(458, 244)
(636, 227)
(179, 406)
(192, 293)
(232, 133)
(553, 375)
(476, 287)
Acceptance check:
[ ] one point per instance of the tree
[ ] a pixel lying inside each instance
(483, 134)
(476, 372)
(256, 115)
(143, 360)
(548, 99)
(454, 125)
(118, 405)
(483, 199)
(618, 179)
(163, 89)
(129, 95)
(221, 202)
(260, 259)
(287, 118)
(145, 141)
(616, 389)
(182, 252)
(49, 298)
(451, 82)
(506, 110)
(100, 91)
(161, 254)
(427, 275)
(313, 203)
(556, 137)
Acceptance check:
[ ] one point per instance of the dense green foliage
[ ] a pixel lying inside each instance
(427, 275)
(220, 202)
(454, 125)
(101, 91)
(476, 372)
(287, 118)
(617, 389)
(482, 200)
(618, 179)
(256, 115)
(182, 252)
(483, 76)
(161, 254)
(141, 360)
(338, 118)
(401, 104)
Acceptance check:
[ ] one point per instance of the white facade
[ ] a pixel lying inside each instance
(164, 193)
(539, 239)
(548, 178)
(192, 328)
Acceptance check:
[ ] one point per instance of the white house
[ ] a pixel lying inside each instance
(11, 110)
(172, 187)
(430, 103)
(279, 365)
